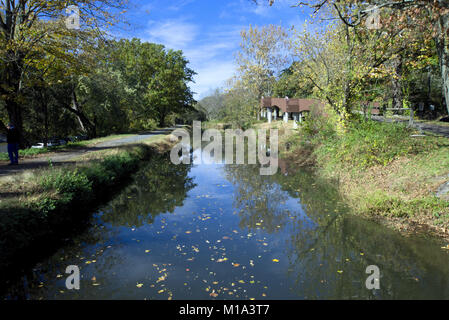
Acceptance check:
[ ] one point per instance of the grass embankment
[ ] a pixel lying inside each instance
(383, 170)
(39, 206)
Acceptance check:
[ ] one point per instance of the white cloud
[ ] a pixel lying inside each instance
(212, 75)
(174, 34)
(210, 52)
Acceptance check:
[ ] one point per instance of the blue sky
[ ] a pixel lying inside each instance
(207, 31)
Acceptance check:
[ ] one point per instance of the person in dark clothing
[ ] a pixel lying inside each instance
(12, 138)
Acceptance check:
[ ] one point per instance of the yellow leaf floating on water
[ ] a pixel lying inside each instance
(146, 251)
(275, 260)
(213, 294)
(188, 232)
(160, 291)
(340, 271)
(236, 264)
(139, 285)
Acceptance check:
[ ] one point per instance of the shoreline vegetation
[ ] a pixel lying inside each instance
(44, 206)
(385, 172)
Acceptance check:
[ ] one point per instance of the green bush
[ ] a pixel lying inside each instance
(67, 184)
(369, 143)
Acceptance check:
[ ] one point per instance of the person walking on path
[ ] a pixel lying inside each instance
(12, 138)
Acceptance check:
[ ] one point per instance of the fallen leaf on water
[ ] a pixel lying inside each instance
(139, 285)
(188, 232)
(146, 251)
(340, 271)
(275, 260)
(236, 264)
(213, 294)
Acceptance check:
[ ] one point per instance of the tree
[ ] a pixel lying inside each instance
(413, 15)
(168, 91)
(22, 36)
(214, 104)
(287, 85)
(263, 54)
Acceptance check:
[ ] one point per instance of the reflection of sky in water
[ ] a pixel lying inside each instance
(238, 235)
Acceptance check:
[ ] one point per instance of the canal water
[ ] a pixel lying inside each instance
(226, 232)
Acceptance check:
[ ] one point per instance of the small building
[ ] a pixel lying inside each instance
(288, 109)
(297, 109)
(3, 144)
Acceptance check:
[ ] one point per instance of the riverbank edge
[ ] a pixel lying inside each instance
(346, 181)
(31, 229)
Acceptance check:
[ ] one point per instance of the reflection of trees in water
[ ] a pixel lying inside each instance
(337, 241)
(409, 267)
(257, 198)
(158, 188)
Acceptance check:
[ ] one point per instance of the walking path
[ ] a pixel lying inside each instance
(430, 127)
(65, 156)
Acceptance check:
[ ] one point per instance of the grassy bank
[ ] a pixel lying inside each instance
(384, 171)
(39, 207)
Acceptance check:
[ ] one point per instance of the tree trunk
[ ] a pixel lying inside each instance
(396, 85)
(162, 120)
(15, 117)
(86, 125)
(442, 44)
(11, 80)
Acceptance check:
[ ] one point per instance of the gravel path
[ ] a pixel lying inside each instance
(434, 128)
(65, 157)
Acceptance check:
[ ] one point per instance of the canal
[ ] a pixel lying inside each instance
(226, 232)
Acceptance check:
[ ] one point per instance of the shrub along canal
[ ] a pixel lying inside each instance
(226, 232)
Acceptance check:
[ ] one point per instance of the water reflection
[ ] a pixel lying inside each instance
(328, 249)
(159, 188)
(226, 232)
